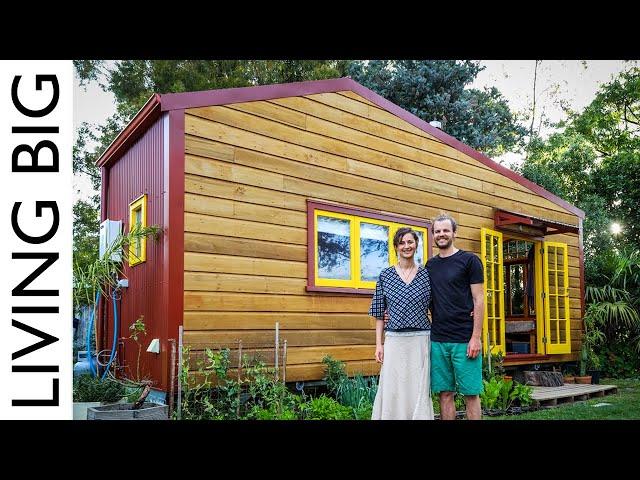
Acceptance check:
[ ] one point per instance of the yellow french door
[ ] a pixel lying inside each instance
(493, 324)
(556, 297)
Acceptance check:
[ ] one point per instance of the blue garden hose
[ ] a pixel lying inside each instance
(92, 369)
(115, 335)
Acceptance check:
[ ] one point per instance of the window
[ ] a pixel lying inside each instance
(518, 278)
(137, 220)
(349, 247)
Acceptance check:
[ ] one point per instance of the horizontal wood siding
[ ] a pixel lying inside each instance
(249, 170)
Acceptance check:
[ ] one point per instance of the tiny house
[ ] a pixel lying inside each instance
(278, 204)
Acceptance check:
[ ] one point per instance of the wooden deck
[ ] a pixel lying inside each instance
(569, 393)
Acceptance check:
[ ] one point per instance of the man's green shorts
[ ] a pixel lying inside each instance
(453, 371)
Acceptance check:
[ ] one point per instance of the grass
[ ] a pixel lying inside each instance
(625, 405)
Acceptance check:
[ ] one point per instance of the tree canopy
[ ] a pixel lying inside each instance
(438, 90)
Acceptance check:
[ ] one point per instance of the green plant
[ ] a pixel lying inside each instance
(592, 337)
(325, 408)
(138, 328)
(493, 366)
(103, 274)
(522, 394)
(92, 389)
(335, 373)
(497, 394)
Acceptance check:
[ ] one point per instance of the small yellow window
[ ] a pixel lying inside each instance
(138, 220)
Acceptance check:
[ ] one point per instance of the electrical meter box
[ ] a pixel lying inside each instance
(109, 231)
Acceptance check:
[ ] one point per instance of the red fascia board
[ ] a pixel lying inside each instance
(225, 96)
(502, 218)
(148, 114)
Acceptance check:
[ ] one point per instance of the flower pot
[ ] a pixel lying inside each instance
(595, 376)
(569, 379)
(583, 380)
(506, 378)
(124, 411)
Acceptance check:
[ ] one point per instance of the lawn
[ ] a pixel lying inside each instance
(625, 405)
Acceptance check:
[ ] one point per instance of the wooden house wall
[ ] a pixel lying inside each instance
(249, 169)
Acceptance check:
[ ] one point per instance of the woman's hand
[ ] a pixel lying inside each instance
(379, 353)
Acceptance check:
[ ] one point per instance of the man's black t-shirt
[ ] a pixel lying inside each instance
(451, 297)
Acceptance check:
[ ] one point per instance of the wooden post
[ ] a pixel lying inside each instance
(277, 345)
(239, 376)
(284, 362)
(172, 376)
(179, 409)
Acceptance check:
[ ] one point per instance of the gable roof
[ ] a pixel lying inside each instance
(157, 104)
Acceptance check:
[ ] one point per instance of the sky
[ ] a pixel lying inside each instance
(572, 82)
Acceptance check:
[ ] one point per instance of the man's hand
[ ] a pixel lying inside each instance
(473, 347)
(379, 353)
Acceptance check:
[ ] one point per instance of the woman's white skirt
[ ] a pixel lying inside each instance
(404, 389)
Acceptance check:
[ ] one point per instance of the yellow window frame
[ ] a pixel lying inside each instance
(335, 282)
(493, 326)
(138, 205)
(354, 244)
(553, 298)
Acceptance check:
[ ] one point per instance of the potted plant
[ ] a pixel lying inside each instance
(591, 337)
(568, 376)
(89, 392)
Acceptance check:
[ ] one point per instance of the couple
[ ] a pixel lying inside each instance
(451, 285)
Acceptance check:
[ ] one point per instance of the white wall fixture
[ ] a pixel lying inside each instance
(154, 346)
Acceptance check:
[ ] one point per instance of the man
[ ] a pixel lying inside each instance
(457, 289)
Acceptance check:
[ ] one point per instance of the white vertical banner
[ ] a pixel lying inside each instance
(36, 132)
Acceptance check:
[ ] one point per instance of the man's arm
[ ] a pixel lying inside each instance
(475, 344)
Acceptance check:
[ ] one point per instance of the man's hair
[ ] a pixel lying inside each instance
(401, 233)
(442, 217)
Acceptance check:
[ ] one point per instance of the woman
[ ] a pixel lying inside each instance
(403, 290)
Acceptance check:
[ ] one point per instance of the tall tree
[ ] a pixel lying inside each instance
(594, 162)
(437, 90)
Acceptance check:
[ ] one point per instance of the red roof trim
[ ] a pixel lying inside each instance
(226, 96)
(180, 101)
(148, 114)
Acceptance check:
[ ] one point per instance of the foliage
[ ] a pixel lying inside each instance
(357, 393)
(87, 388)
(522, 394)
(138, 328)
(619, 360)
(497, 394)
(438, 90)
(103, 274)
(492, 368)
(335, 373)
(625, 405)
(325, 408)
(501, 394)
(216, 396)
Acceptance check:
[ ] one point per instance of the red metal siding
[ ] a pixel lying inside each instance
(139, 171)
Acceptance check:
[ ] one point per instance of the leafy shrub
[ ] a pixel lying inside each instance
(619, 360)
(92, 389)
(522, 394)
(325, 408)
(358, 392)
(258, 413)
(335, 373)
(363, 411)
